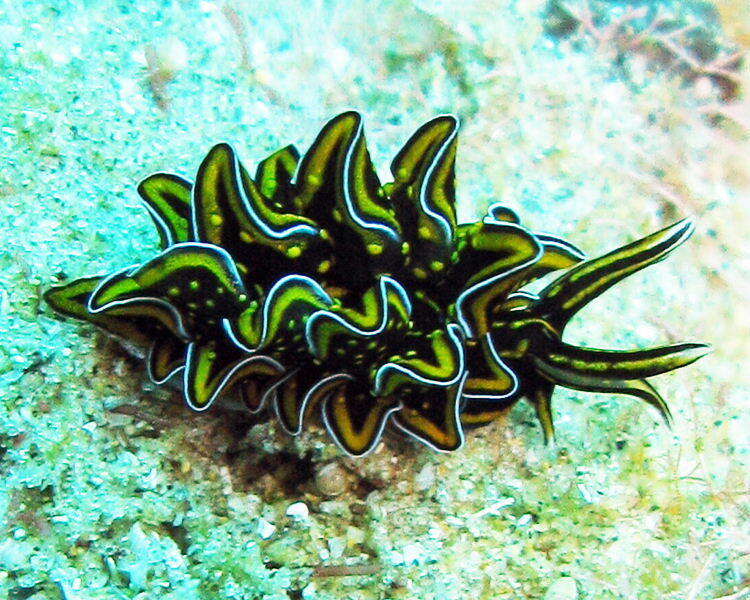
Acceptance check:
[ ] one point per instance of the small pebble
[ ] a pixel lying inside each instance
(425, 479)
(412, 553)
(265, 529)
(358, 508)
(331, 480)
(298, 511)
(336, 546)
(355, 535)
(564, 588)
(524, 520)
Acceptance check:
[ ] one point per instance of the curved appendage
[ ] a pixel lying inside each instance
(558, 254)
(527, 329)
(500, 212)
(622, 364)
(615, 371)
(337, 187)
(639, 388)
(492, 257)
(214, 366)
(274, 177)
(424, 195)
(228, 210)
(569, 293)
(540, 397)
(167, 199)
(188, 287)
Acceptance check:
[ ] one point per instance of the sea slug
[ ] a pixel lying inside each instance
(313, 285)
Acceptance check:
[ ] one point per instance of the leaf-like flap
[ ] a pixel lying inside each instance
(338, 187)
(283, 314)
(424, 194)
(489, 378)
(493, 259)
(354, 418)
(166, 357)
(435, 359)
(214, 366)
(187, 284)
(384, 308)
(431, 415)
(339, 157)
(230, 211)
(274, 177)
(556, 254)
(71, 299)
(254, 389)
(305, 390)
(167, 198)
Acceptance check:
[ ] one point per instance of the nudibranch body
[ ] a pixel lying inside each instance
(312, 284)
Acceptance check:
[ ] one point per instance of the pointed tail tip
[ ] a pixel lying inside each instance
(53, 297)
(697, 351)
(686, 226)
